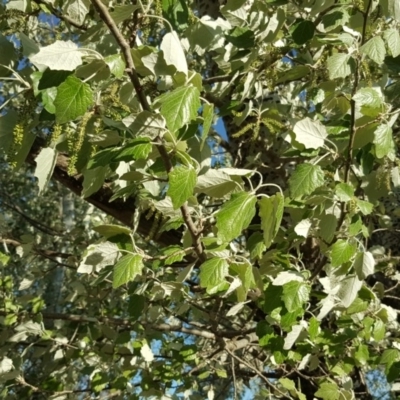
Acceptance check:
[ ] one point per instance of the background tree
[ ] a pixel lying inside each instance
(261, 262)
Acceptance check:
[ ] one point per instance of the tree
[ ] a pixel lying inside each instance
(265, 259)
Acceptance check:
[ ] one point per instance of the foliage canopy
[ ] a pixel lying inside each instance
(191, 264)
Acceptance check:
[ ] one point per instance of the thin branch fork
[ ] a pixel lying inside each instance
(131, 72)
(36, 224)
(42, 252)
(61, 16)
(162, 327)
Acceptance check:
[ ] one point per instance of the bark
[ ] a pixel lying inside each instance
(119, 209)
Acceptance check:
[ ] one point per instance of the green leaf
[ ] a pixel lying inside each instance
(305, 179)
(271, 212)
(368, 97)
(116, 64)
(122, 12)
(176, 12)
(93, 180)
(364, 264)
(310, 133)
(334, 18)
(95, 70)
(74, 97)
(245, 273)
(295, 294)
(348, 290)
(389, 356)
(180, 106)
(362, 354)
(51, 78)
(303, 32)
(48, 97)
(375, 49)
(327, 227)
(173, 52)
(136, 306)
(213, 273)
(293, 336)
(136, 149)
(383, 140)
(78, 10)
(215, 183)
(293, 74)
(29, 47)
(182, 181)
(102, 158)
(255, 244)
(344, 192)
(208, 116)
(379, 330)
(7, 52)
(339, 65)
(109, 231)
(146, 124)
(126, 269)
(4, 258)
(241, 37)
(98, 256)
(313, 328)
(328, 391)
(365, 207)
(235, 215)
(61, 55)
(287, 384)
(45, 163)
(394, 9)
(341, 252)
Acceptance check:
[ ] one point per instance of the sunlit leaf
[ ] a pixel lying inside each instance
(305, 179)
(235, 215)
(173, 52)
(73, 99)
(61, 55)
(375, 49)
(45, 163)
(295, 294)
(310, 133)
(180, 106)
(341, 252)
(126, 269)
(271, 212)
(339, 65)
(213, 272)
(364, 264)
(182, 181)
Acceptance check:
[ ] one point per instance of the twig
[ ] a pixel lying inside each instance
(234, 379)
(63, 17)
(257, 372)
(352, 101)
(48, 254)
(37, 224)
(352, 135)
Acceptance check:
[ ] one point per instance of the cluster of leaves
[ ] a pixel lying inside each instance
(271, 259)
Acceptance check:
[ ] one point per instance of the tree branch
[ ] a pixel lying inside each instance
(258, 373)
(162, 327)
(37, 224)
(61, 16)
(130, 70)
(119, 209)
